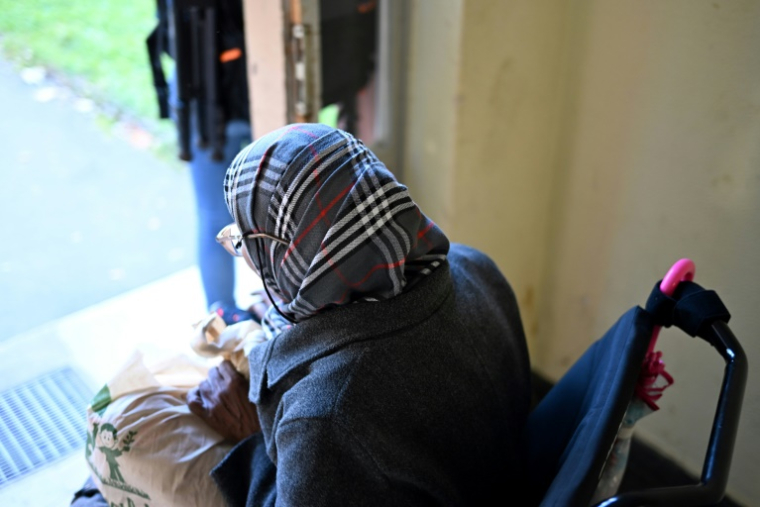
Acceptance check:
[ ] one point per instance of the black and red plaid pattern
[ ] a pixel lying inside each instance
(354, 232)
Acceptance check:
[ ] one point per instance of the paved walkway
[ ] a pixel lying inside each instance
(87, 212)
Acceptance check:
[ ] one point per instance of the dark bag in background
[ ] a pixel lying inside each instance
(206, 40)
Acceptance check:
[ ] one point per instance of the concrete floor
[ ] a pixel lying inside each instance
(87, 211)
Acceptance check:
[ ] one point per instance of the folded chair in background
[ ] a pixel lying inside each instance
(574, 429)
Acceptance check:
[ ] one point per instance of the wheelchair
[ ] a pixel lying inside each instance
(574, 427)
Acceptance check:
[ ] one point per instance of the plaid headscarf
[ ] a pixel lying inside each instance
(353, 232)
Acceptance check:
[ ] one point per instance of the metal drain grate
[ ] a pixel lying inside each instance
(40, 421)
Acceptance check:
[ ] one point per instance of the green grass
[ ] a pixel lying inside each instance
(98, 47)
(329, 115)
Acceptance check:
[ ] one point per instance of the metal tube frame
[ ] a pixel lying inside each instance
(712, 486)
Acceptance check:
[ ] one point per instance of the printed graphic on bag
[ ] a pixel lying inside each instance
(107, 436)
(144, 447)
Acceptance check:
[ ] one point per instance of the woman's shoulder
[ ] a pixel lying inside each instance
(465, 255)
(473, 270)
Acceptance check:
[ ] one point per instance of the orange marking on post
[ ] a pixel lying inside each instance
(230, 54)
(366, 7)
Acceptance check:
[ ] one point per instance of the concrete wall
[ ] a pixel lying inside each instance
(433, 59)
(587, 146)
(483, 106)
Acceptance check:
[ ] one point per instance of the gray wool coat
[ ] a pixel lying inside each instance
(418, 400)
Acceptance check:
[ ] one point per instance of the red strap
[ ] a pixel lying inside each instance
(651, 370)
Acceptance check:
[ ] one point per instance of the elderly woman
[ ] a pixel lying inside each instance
(395, 370)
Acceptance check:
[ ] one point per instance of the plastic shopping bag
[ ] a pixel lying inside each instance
(617, 460)
(214, 338)
(652, 382)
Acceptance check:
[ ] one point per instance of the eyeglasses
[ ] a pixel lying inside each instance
(232, 240)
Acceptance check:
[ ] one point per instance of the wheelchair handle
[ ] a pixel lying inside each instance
(712, 486)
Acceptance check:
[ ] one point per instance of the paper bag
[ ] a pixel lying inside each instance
(144, 446)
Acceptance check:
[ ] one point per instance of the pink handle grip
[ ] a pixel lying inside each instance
(653, 367)
(682, 271)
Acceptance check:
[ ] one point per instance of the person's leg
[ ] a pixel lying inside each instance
(216, 266)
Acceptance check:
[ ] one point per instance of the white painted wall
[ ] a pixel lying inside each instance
(483, 106)
(587, 146)
(434, 61)
(660, 159)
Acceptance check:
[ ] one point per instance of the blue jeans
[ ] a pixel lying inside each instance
(216, 265)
